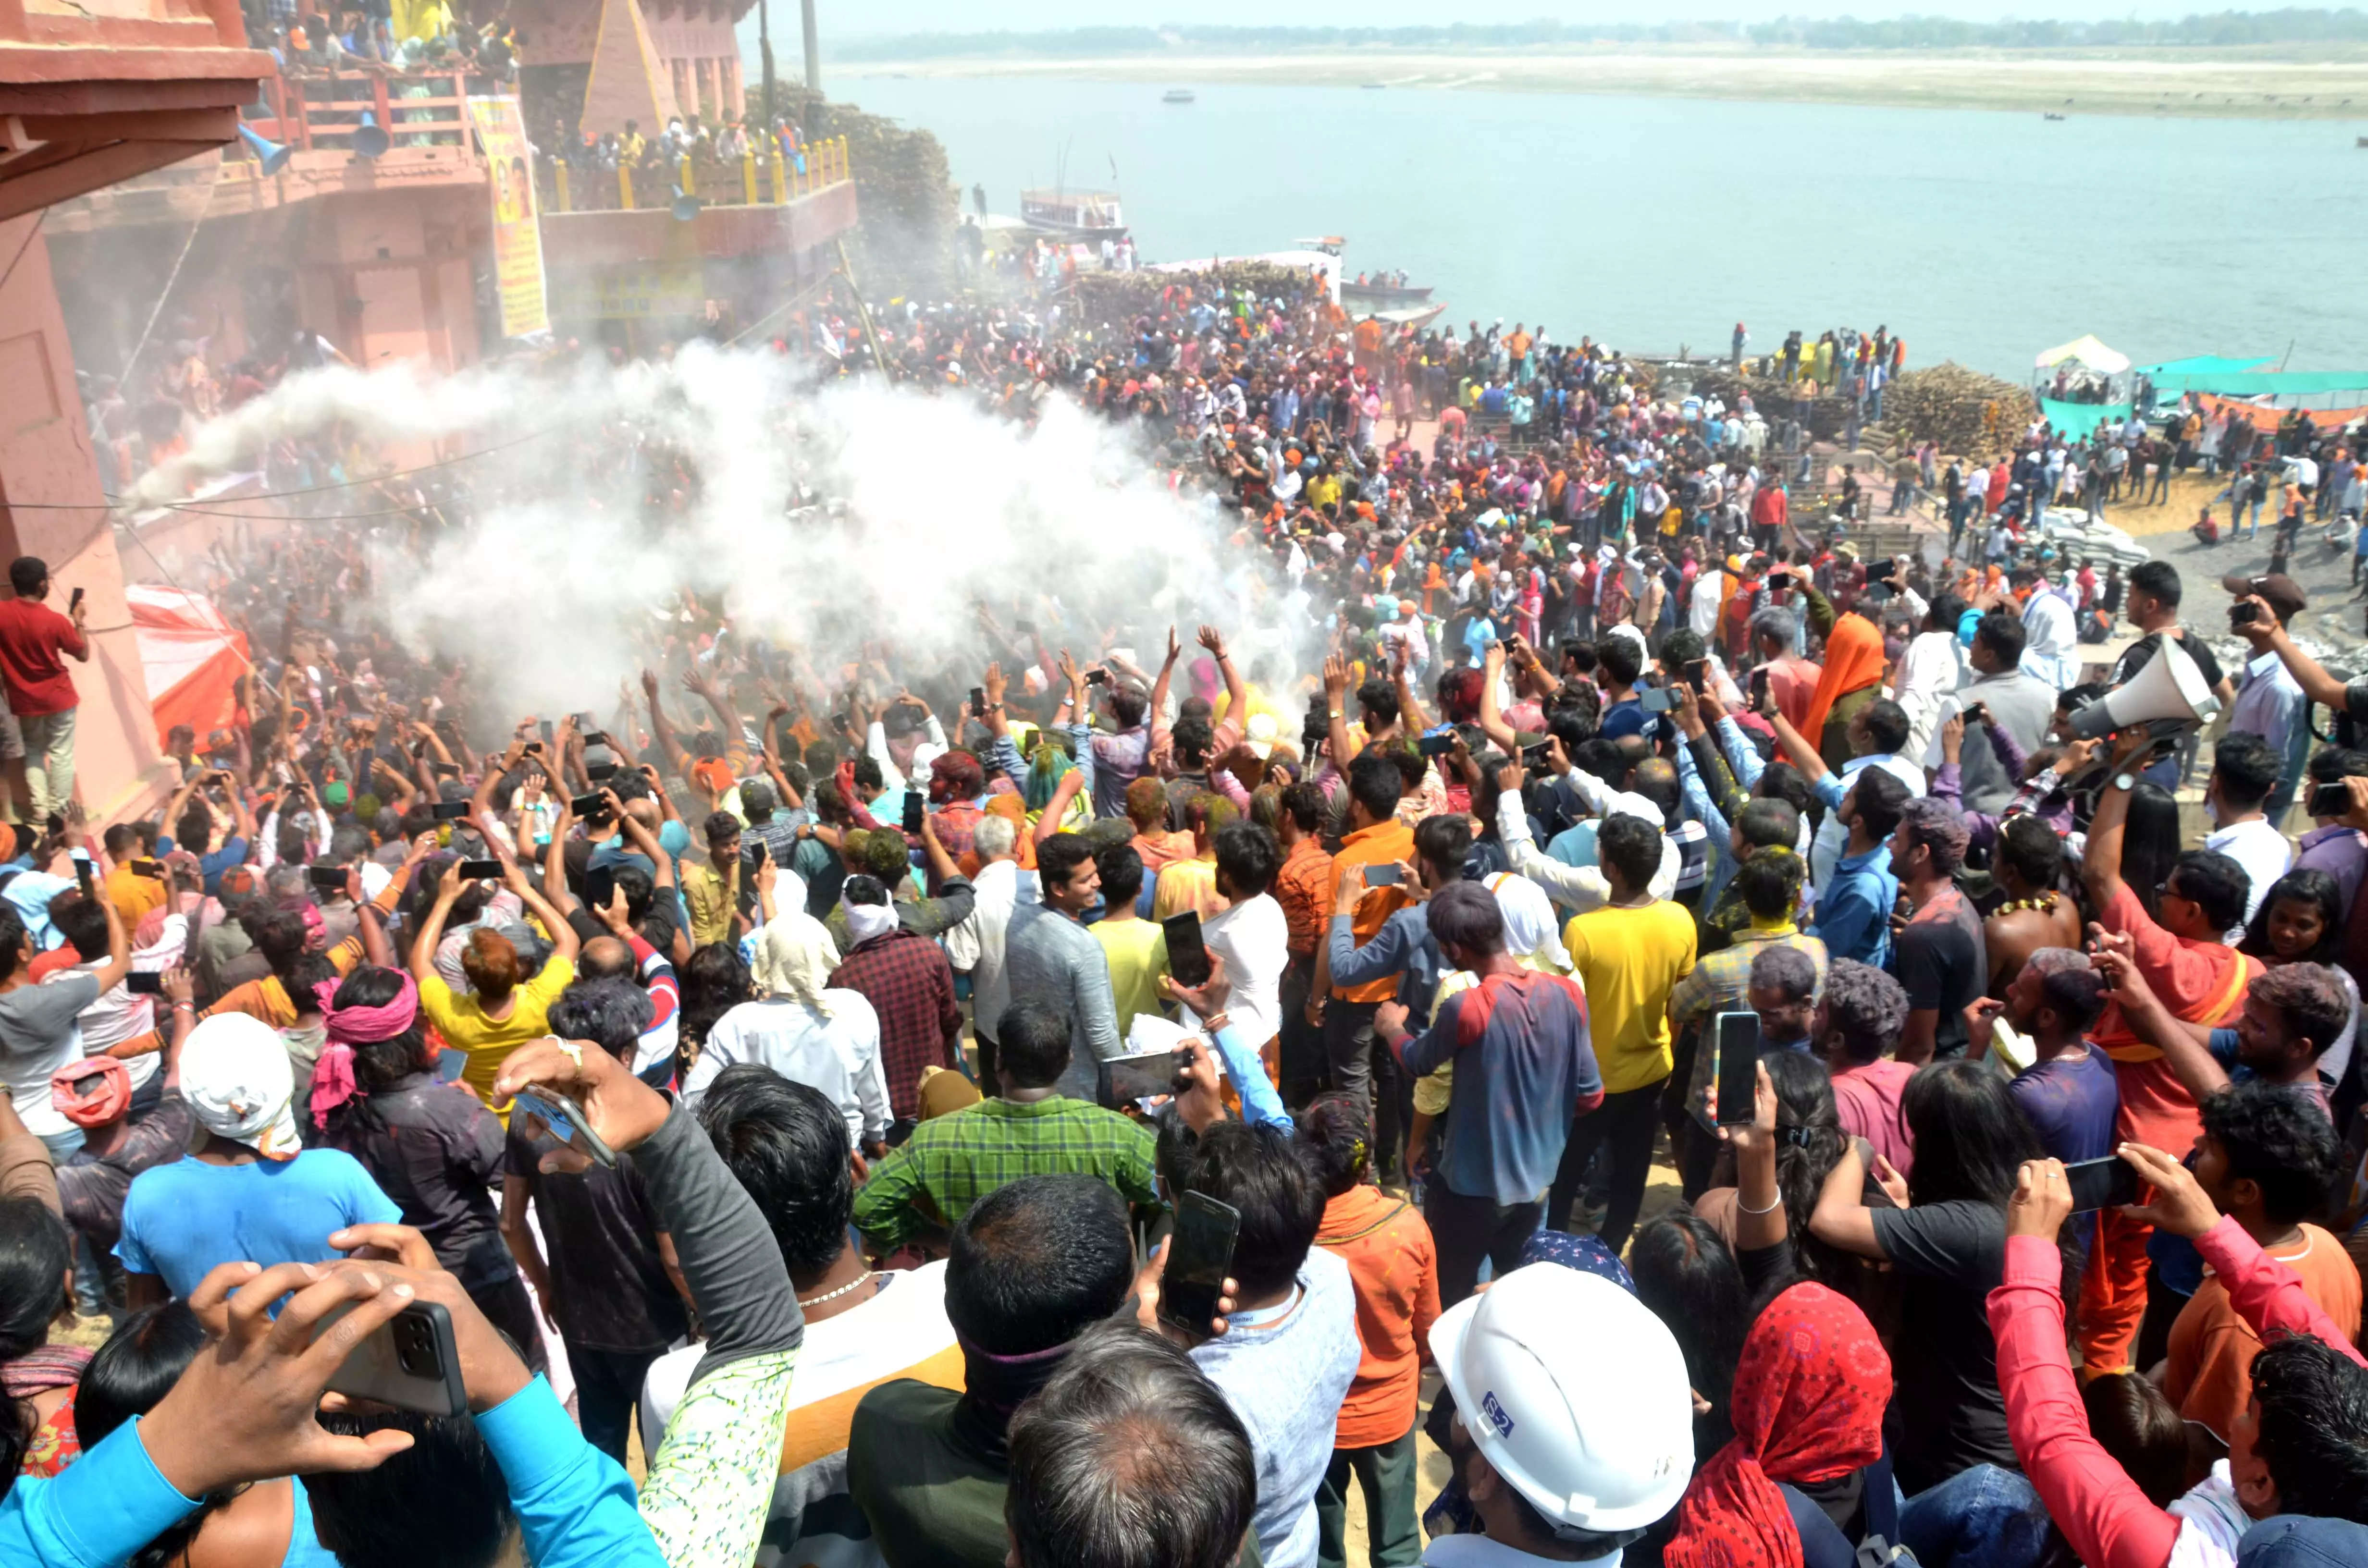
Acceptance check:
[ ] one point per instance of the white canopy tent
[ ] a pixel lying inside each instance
(2087, 352)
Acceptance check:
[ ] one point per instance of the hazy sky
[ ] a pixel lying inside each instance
(967, 15)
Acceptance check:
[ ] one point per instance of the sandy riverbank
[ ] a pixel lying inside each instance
(2278, 83)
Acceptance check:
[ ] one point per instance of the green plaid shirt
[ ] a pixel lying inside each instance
(951, 1162)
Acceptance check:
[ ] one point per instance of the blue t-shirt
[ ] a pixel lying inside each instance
(182, 1219)
(211, 867)
(2072, 1103)
(1623, 719)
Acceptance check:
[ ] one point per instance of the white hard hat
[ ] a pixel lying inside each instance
(1575, 1393)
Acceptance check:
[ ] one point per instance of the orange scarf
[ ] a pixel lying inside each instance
(1854, 660)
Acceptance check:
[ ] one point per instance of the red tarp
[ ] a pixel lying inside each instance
(190, 655)
(2261, 418)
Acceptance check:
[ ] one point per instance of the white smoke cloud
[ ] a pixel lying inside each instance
(553, 585)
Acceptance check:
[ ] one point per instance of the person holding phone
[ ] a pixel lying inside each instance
(35, 642)
(503, 1006)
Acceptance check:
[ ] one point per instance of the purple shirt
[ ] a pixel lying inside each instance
(1118, 761)
(2072, 1103)
(2340, 852)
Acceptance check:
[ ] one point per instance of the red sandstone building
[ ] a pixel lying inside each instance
(131, 212)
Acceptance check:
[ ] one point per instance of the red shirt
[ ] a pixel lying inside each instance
(2108, 1522)
(34, 641)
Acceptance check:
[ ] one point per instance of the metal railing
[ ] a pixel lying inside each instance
(752, 181)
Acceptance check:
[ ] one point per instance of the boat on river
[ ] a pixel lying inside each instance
(1091, 216)
(1176, 95)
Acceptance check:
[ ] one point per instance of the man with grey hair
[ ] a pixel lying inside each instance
(976, 946)
(1862, 1014)
(1938, 955)
(1791, 679)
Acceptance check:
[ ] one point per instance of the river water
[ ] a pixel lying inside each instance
(1654, 222)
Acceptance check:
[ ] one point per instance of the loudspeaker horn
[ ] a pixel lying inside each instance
(371, 139)
(685, 207)
(2170, 687)
(270, 154)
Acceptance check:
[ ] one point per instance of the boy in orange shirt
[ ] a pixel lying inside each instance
(1387, 1247)
(2266, 1158)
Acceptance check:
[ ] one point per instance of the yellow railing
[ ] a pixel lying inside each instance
(755, 179)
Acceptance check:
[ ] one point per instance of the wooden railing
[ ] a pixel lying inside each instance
(753, 180)
(310, 113)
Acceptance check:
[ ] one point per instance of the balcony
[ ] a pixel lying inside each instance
(694, 208)
(423, 114)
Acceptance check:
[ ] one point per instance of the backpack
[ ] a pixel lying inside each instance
(1822, 1544)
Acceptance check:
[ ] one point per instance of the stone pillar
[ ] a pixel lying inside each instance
(50, 505)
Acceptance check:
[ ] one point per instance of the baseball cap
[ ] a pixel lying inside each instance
(2280, 592)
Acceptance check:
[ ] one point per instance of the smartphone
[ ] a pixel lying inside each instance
(1779, 579)
(978, 700)
(596, 737)
(1537, 756)
(329, 879)
(450, 1065)
(1697, 671)
(1976, 713)
(81, 875)
(544, 728)
(1738, 1066)
(480, 870)
(600, 886)
(755, 853)
(590, 806)
(144, 983)
(1439, 743)
(1187, 956)
(450, 811)
(74, 601)
(2326, 800)
(1142, 1077)
(838, 722)
(1877, 570)
(148, 869)
(444, 769)
(2243, 615)
(599, 772)
(1656, 699)
(1199, 1255)
(1760, 687)
(1097, 677)
(2102, 1184)
(916, 807)
(566, 1121)
(1381, 874)
(409, 1361)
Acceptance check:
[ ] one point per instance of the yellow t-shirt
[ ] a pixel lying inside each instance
(1628, 961)
(462, 1021)
(1137, 951)
(133, 895)
(1187, 884)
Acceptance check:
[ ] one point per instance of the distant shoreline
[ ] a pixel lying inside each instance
(2163, 83)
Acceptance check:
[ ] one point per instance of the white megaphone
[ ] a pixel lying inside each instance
(2170, 687)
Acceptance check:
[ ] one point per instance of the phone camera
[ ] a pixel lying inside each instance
(415, 1345)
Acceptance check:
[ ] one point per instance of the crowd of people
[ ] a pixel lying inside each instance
(801, 1062)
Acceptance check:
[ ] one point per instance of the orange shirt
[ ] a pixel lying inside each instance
(1396, 1270)
(1298, 887)
(2211, 1349)
(1382, 844)
(1160, 848)
(2201, 983)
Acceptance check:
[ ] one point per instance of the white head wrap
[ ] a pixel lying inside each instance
(236, 1077)
(865, 921)
(794, 957)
